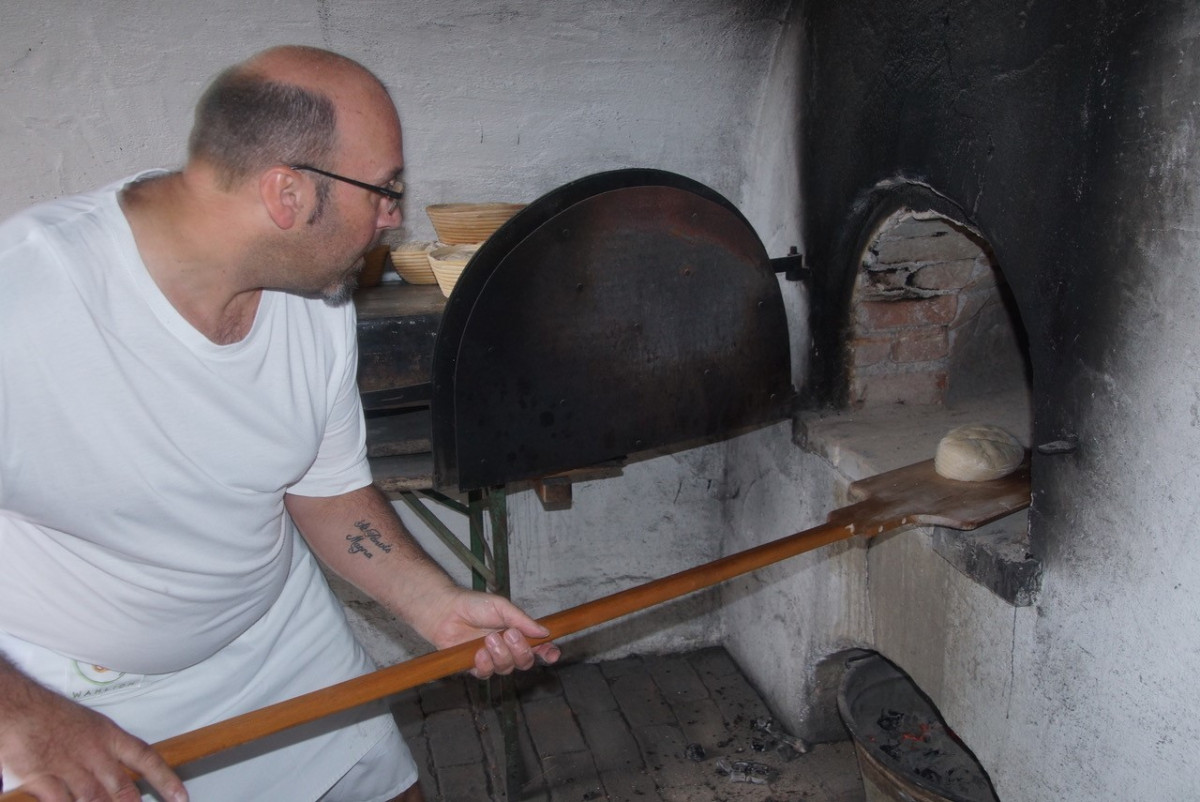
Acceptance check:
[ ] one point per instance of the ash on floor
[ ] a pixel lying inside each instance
(676, 728)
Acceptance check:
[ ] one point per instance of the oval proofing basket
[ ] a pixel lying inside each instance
(469, 223)
(411, 261)
(448, 263)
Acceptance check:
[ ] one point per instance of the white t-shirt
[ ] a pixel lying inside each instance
(142, 467)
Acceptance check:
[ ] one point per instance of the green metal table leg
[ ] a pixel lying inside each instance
(476, 504)
(477, 562)
(498, 513)
(485, 510)
(507, 709)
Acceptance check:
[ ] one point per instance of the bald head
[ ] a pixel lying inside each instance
(281, 106)
(313, 68)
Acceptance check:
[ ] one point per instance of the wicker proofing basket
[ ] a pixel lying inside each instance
(411, 260)
(467, 223)
(448, 263)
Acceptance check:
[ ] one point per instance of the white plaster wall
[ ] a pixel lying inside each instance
(663, 515)
(770, 192)
(500, 100)
(781, 621)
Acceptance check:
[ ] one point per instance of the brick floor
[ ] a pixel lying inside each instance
(676, 728)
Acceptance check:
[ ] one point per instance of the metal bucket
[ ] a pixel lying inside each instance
(905, 750)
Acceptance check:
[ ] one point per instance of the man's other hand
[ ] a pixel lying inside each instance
(60, 751)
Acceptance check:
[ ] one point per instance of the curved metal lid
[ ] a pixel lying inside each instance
(625, 311)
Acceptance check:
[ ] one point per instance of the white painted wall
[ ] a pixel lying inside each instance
(781, 621)
(499, 100)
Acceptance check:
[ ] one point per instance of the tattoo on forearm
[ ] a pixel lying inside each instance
(369, 534)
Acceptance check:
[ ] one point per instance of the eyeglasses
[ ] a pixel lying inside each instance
(394, 191)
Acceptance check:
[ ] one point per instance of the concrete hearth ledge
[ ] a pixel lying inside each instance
(864, 442)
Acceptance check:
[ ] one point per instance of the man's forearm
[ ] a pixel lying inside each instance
(10, 677)
(15, 687)
(359, 536)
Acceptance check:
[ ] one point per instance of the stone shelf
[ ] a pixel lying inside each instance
(864, 442)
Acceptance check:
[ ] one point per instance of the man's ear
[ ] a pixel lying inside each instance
(285, 195)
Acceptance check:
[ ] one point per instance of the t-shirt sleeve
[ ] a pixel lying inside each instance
(341, 464)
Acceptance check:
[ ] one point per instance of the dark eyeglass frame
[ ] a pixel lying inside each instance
(395, 196)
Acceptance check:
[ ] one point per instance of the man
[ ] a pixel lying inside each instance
(177, 401)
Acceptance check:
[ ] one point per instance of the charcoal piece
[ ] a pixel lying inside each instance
(889, 720)
(746, 771)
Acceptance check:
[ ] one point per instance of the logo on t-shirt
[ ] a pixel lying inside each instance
(97, 675)
(97, 680)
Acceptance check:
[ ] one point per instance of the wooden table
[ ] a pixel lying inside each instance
(397, 326)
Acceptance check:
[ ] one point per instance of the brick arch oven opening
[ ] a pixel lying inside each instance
(916, 331)
(932, 320)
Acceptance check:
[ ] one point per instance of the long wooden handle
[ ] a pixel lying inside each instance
(444, 662)
(280, 716)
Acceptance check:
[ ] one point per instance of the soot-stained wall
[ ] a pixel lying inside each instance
(1028, 122)
(987, 114)
(1066, 134)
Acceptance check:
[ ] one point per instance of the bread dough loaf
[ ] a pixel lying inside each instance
(977, 452)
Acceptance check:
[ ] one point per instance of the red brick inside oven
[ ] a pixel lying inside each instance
(922, 285)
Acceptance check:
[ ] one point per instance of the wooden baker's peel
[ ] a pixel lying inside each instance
(918, 496)
(914, 495)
